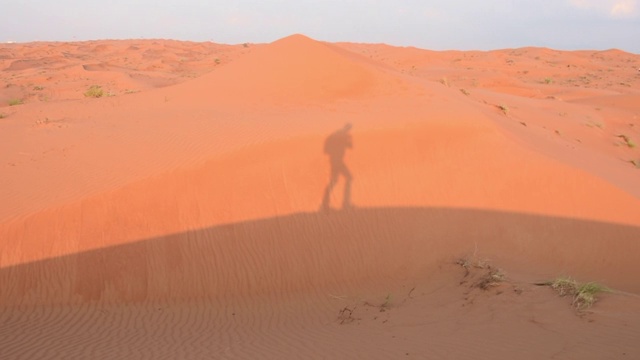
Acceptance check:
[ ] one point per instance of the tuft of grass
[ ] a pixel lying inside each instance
(386, 304)
(94, 91)
(488, 277)
(217, 61)
(564, 286)
(584, 295)
(627, 140)
(465, 91)
(548, 80)
(14, 102)
(504, 109)
(597, 124)
(2, 116)
(38, 88)
(493, 277)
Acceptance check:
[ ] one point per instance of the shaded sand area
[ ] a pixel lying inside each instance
(180, 214)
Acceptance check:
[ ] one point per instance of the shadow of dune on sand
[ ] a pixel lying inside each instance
(313, 252)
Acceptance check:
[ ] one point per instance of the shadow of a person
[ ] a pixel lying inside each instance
(335, 147)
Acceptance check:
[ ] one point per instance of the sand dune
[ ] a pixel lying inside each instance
(180, 215)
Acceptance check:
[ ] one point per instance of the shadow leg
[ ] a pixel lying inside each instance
(346, 199)
(326, 199)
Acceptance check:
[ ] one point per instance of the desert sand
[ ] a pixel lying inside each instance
(179, 215)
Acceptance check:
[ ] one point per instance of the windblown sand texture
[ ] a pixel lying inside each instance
(179, 215)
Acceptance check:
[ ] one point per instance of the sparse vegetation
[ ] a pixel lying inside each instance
(14, 102)
(217, 61)
(504, 108)
(564, 286)
(444, 81)
(95, 91)
(43, 122)
(465, 91)
(493, 277)
(583, 295)
(627, 140)
(490, 277)
(38, 88)
(597, 124)
(386, 304)
(345, 315)
(2, 116)
(548, 81)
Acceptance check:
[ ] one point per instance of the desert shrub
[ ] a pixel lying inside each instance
(94, 91)
(583, 295)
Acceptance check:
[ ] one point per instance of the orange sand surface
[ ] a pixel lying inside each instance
(180, 215)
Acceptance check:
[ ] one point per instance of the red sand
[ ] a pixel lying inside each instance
(180, 216)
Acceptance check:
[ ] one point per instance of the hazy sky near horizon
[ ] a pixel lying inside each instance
(430, 24)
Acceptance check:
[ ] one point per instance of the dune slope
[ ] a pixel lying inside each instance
(193, 208)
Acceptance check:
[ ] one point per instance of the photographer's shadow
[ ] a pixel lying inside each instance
(335, 146)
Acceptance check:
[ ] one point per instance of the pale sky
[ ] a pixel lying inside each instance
(429, 24)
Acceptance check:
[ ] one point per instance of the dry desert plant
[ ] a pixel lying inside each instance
(584, 295)
(597, 124)
(94, 91)
(345, 315)
(491, 276)
(14, 102)
(386, 304)
(627, 140)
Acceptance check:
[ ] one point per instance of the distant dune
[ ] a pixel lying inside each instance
(163, 199)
